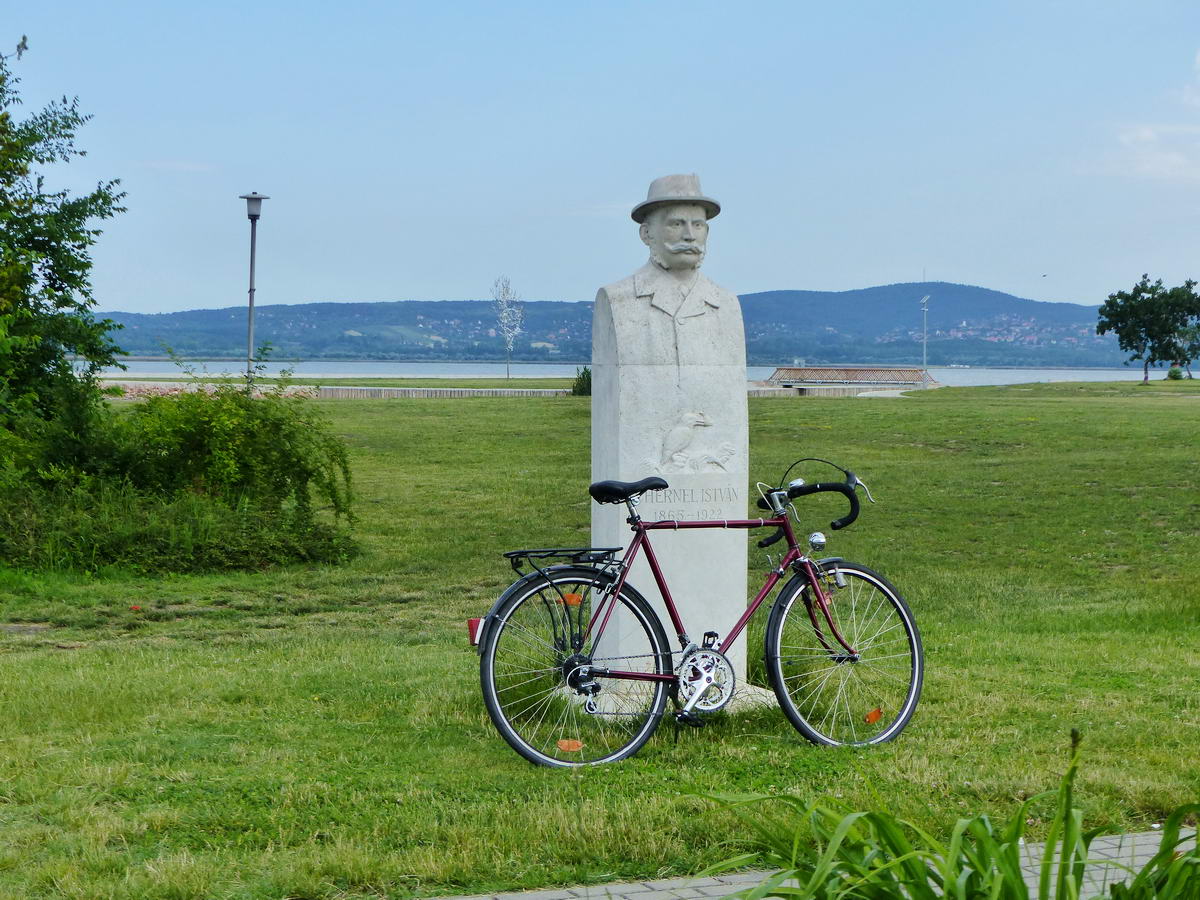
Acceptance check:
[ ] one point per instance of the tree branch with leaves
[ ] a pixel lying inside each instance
(54, 346)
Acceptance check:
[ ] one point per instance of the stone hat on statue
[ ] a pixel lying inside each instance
(674, 189)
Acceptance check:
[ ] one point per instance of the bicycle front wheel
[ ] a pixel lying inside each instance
(833, 696)
(536, 669)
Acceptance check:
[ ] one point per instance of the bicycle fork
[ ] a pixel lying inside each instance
(822, 602)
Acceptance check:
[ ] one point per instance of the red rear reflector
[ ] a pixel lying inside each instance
(473, 631)
(874, 716)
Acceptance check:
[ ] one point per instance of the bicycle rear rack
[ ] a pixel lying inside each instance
(588, 556)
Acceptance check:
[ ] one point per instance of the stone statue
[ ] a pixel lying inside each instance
(669, 398)
(670, 317)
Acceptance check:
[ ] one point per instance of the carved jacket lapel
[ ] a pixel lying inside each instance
(653, 288)
(696, 307)
(663, 294)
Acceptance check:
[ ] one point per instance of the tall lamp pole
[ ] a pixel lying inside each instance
(253, 211)
(924, 342)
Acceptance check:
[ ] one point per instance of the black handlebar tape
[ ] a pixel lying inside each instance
(834, 487)
(820, 487)
(850, 516)
(768, 541)
(763, 504)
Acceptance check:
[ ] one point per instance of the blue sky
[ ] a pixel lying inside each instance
(416, 151)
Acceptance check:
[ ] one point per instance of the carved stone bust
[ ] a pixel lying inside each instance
(671, 317)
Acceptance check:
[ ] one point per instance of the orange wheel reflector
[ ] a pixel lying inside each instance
(873, 716)
(572, 599)
(567, 745)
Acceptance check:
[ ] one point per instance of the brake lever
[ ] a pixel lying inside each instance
(855, 482)
(866, 489)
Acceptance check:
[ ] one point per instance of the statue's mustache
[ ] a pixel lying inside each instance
(682, 247)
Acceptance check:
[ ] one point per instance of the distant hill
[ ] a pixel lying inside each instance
(967, 326)
(400, 329)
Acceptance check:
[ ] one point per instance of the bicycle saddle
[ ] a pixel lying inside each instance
(620, 491)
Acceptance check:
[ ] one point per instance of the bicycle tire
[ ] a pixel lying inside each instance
(830, 698)
(526, 673)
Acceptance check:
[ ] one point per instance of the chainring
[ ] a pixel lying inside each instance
(710, 673)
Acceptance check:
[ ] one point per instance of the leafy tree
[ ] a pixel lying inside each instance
(1151, 322)
(1189, 337)
(51, 347)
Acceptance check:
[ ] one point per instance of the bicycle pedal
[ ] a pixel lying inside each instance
(688, 719)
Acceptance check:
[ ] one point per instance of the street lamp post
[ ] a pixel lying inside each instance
(924, 342)
(253, 211)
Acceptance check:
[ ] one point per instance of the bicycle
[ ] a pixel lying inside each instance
(576, 668)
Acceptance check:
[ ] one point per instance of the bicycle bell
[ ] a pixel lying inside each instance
(816, 540)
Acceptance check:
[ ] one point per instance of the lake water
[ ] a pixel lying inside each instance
(320, 368)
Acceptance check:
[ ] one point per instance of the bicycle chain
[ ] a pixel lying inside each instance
(635, 656)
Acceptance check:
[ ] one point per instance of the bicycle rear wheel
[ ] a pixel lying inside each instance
(535, 663)
(831, 696)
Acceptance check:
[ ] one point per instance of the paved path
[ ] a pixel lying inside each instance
(1109, 854)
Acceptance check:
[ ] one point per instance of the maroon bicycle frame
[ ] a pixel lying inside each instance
(794, 558)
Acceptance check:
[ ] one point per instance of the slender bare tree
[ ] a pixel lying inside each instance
(510, 317)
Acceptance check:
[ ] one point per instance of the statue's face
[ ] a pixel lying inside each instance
(676, 235)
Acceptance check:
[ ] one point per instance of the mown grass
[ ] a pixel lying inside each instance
(319, 732)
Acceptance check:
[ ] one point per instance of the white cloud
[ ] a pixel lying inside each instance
(1160, 152)
(1169, 152)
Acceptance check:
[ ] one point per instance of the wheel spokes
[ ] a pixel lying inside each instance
(545, 702)
(842, 698)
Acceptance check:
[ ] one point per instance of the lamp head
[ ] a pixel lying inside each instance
(254, 204)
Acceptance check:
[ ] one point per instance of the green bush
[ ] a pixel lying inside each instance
(91, 524)
(819, 851)
(582, 386)
(212, 478)
(17, 455)
(1175, 373)
(274, 451)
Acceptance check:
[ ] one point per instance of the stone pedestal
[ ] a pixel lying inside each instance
(669, 399)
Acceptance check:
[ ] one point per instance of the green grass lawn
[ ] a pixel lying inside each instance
(320, 733)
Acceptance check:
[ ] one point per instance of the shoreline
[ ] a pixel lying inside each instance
(284, 362)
